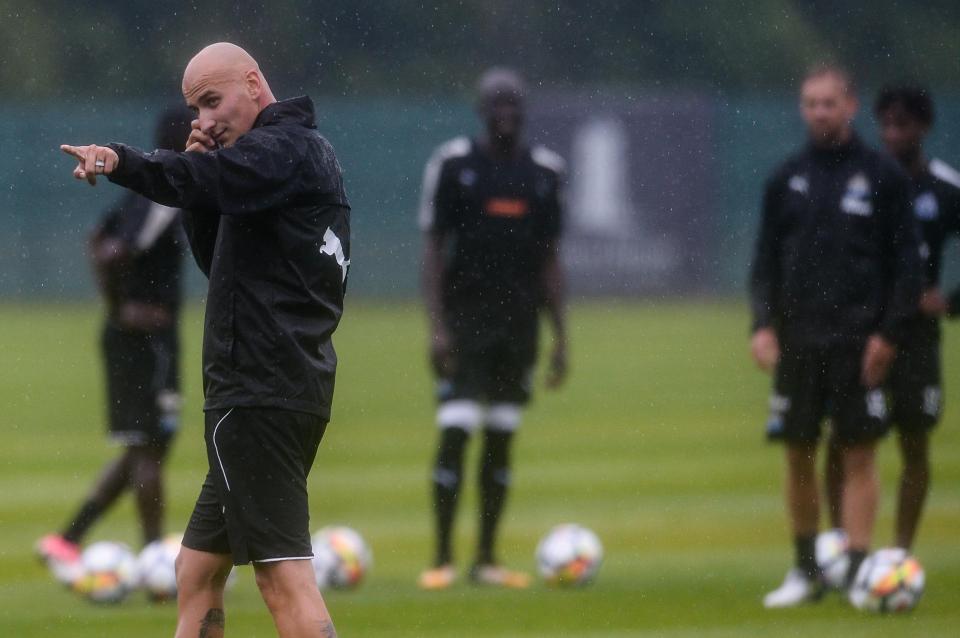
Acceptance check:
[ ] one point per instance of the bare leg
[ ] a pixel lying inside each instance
(802, 499)
(201, 577)
(290, 592)
(146, 480)
(833, 482)
(914, 483)
(860, 494)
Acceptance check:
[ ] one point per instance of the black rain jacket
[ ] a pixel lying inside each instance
(269, 224)
(837, 257)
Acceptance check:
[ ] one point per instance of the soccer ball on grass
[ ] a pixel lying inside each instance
(341, 558)
(156, 568)
(569, 555)
(109, 572)
(832, 557)
(889, 580)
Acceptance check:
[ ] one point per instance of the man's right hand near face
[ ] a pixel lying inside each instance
(201, 138)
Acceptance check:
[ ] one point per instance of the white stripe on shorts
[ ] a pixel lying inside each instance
(277, 560)
(216, 450)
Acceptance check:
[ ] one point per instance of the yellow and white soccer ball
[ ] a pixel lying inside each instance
(832, 557)
(341, 558)
(889, 580)
(156, 568)
(569, 555)
(108, 572)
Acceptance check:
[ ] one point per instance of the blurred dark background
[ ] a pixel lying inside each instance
(692, 104)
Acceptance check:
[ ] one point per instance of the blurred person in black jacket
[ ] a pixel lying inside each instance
(268, 222)
(136, 252)
(835, 284)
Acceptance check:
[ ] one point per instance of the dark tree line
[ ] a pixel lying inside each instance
(61, 48)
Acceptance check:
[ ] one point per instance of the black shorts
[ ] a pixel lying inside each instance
(495, 371)
(915, 385)
(813, 384)
(253, 502)
(142, 383)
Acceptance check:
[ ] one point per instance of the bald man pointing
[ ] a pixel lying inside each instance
(269, 224)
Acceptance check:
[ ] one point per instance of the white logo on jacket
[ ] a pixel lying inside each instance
(925, 207)
(333, 247)
(799, 184)
(856, 201)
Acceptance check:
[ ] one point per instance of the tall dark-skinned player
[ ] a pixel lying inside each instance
(905, 115)
(491, 215)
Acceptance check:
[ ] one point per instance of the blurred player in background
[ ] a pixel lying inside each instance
(834, 288)
(491, 217)
(905, 115)
(136, 252)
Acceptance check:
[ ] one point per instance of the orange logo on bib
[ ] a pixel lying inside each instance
(506, 207)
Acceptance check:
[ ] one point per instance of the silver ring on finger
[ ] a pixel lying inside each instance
(100, 164)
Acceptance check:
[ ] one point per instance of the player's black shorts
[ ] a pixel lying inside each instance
(813, 384)
(253, 502)
(491, 370)
(915, 385)
(141, 371)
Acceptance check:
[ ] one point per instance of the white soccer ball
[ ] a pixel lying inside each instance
(341, 558)
(109, 572)
(889, 580)
(831, 550)
(156, 568)
(569, 555)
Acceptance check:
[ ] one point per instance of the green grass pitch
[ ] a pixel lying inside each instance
(656, 443)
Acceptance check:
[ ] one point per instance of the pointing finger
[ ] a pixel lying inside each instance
(73, 151)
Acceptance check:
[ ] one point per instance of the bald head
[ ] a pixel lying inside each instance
(224, 86)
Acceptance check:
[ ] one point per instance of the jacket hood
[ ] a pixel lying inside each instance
(298, 110)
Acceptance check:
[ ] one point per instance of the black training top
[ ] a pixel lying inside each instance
(936, 204)
(500, 217)
(153, 244)
(837, 257)
(269, 224)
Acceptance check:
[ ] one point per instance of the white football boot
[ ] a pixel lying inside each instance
(797, 589)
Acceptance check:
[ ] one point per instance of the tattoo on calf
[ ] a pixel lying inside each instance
(327, 630)
(212, 624)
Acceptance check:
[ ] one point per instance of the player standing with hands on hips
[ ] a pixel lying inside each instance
(268, 222)
(491, 218)
(834, 287)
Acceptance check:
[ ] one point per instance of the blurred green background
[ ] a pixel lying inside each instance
(394, 79)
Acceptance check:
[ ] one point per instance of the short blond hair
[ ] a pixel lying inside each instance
(821, 69)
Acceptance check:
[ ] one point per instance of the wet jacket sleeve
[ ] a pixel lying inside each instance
(260, 173)
(765, 270)
(902, 264)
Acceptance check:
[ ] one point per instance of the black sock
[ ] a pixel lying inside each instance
(807, 556)
(494, 482)
(447, 473)
(112, 482)
(856, 558)
(89, 512)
